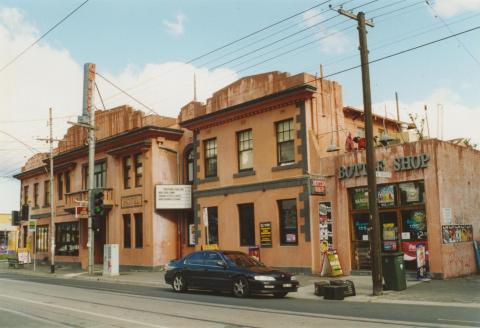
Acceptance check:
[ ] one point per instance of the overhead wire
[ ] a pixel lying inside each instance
(460, 42)
(42, 36)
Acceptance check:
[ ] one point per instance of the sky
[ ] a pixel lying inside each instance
(152, 49)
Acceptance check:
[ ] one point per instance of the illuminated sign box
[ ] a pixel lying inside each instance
(169, 197)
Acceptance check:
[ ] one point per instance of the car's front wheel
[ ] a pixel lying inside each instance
(280, 295)
(240, 287)
(179, 283)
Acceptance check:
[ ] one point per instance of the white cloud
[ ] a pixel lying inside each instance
(331, 40)
(176, 27)
(459, 121)
(49, 77)
(448, 8)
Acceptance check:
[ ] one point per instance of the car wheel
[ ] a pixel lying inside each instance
(240, 287)
(179, 284)
(280, 295)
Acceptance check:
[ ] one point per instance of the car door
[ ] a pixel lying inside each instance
(193, 269)
(216, 276)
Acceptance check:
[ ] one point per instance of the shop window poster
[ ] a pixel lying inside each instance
(360, 198)
(457, 233)
(415, 223)
(386, 196)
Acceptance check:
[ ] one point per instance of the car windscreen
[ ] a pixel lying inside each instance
(242, 260)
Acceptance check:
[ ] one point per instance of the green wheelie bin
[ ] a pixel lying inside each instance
(393, 270)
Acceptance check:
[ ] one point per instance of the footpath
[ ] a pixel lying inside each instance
(458, 292)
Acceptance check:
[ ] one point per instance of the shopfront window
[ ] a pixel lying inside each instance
(288, 222)
(403, 221)
(247, 224)
(66, 239)
(360, 226)
(42, 239)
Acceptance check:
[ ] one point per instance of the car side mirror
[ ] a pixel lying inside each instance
(222, 264)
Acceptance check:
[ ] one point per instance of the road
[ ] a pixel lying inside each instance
(32, 301)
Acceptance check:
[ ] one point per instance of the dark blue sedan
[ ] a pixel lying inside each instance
(228, 271)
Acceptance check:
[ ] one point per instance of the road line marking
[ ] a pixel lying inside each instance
(83, 312)
(466, 321)
(23, 314)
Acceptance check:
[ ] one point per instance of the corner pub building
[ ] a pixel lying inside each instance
(267, 157)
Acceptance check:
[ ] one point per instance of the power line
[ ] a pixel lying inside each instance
(41, 37)
(227, 45)
(37, 119)
(475, 59)
(402, 52)
(126, 93)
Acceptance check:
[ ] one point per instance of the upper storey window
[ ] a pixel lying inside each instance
(285, 142)
(210, 148)
(245, 150)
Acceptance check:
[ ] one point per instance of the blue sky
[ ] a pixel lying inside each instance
(146, 43)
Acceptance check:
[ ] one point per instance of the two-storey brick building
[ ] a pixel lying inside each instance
(134, 152)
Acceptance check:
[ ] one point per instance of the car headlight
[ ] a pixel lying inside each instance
(264, 278)
(293, 278)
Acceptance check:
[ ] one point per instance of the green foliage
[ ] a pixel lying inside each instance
(419, 125)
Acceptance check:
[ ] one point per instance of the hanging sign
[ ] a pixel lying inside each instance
(32, 226)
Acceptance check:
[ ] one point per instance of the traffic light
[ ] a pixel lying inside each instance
(24, 212)
(98, 207)
(15, 218)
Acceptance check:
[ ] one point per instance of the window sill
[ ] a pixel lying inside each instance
(286, 167)
(210, 179)
(244, 174)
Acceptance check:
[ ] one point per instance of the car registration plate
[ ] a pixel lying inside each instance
(287, 285)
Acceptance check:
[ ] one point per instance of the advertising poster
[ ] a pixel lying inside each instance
(191, 234)
(360, 198)
(325, 224)
(457, 233)
(334, 264)
(409, 249)
(416, 225)
(421, 261)
(254, 251)
(386, 196)
(265, 234)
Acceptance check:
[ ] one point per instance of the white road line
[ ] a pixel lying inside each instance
(33, 317)
(134, 322)
(465, 321)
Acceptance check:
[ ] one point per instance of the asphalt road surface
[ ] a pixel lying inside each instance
(29, 301)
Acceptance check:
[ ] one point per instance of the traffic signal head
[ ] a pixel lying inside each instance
(98, 207)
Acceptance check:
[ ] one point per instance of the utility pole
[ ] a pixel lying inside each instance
(375, 244)
(89, 80)
(50, 140)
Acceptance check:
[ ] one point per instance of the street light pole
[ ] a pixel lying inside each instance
(375, 243)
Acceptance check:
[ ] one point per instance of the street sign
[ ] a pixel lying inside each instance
(383, 174)
(32, 226)
(81, 212)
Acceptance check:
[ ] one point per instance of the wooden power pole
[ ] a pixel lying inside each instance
(375, 243)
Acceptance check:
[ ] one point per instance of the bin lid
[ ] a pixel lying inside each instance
(393, 254)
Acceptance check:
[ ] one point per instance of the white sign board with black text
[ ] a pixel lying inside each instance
(173, 197)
